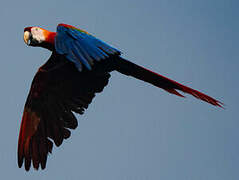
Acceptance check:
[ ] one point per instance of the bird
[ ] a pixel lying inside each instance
(78, 68)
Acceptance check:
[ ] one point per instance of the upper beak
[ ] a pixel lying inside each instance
(27, 37)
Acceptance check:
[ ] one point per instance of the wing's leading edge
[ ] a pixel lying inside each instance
(81, 47)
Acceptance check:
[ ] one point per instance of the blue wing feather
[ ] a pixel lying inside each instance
(84, 53)
(78, 55)
(72, 57)
(80, 47)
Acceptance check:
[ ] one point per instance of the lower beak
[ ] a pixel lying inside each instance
(27, 37)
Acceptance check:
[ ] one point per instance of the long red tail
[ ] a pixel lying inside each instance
(128, 68)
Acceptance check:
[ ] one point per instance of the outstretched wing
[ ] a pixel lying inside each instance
(81, 47)
(57, 90)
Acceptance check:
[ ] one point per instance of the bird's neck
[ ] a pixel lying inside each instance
(49, 43)
(50, 37)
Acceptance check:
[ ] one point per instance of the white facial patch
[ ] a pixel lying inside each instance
(37, 34)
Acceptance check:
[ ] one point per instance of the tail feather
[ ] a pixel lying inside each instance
(128, 68)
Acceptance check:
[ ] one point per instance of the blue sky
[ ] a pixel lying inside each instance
(133, 131)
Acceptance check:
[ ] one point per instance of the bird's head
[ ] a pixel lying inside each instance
(36, 36)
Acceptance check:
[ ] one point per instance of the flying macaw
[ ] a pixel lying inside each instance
(78, 68)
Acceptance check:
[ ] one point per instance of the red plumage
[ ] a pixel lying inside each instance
(60, 88)
(129, 68)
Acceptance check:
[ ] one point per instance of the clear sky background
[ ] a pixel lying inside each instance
(133, 131)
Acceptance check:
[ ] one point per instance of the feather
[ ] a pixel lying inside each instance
(80, 47)
(128, 68)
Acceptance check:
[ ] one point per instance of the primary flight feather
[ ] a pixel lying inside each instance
(77, 69)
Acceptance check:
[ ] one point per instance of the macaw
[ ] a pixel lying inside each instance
(78, 68)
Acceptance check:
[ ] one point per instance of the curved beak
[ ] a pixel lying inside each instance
(27, 37)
